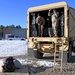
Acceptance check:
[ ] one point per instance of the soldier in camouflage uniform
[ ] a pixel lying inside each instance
(49, 24)
(40, 21)
(54, 22)
(62, 23)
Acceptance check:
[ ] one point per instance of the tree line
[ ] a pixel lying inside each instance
(10, 26)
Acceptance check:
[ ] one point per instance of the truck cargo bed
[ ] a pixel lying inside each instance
(34, 27)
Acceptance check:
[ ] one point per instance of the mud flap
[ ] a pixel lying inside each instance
(30, 52)
(34, 52)
(65, 56)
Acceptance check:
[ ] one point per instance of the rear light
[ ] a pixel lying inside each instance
(59, 40)
(32, 39)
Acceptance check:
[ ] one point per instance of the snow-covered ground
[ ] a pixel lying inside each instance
(18, 47)
(43, 63)
(12, 48)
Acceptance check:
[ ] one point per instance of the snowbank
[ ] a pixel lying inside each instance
(40, 63)
(43, 63)
(12, 48)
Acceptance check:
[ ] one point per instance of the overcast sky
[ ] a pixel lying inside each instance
(15, 11)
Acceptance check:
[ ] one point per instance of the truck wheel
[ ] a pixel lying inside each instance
(38, 55)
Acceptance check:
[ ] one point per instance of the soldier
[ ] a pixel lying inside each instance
(54, 22)
(33, 18)
(32, 26)
(49, 23)
(62, 23)
(40, 21)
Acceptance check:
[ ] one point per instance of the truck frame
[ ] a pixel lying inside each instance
(46, 44)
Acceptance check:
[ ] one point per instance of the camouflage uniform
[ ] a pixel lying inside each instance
(49, 23)
(40, 21)
(54, 22)
(32, 26)
(62, 24)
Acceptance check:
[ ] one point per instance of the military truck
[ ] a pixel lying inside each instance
(45, 43)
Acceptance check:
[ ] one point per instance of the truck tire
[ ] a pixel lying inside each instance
(38, 55)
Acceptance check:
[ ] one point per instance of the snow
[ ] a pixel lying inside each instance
(43, 63)
(1, 63)
(12, 48)
(18, 47)
(25, 61)
(40, 63)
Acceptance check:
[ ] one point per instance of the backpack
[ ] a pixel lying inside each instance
(9, 65)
